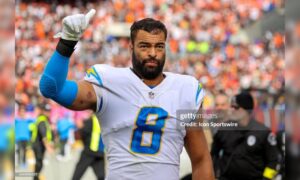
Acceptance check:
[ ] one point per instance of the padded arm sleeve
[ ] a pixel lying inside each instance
(54, 83)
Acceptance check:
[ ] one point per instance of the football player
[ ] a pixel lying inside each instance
(137, 105)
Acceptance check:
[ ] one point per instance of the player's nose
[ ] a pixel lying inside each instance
(152, 52)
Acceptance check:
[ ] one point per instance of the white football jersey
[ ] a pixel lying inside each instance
(142, 137)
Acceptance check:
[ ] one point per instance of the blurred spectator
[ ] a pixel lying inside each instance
(5, 144)
(249, 152)
(64, 127)
(41, 138)
(222, 102)
(23, 135)
(92, 154)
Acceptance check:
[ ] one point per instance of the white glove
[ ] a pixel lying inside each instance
(75, 25)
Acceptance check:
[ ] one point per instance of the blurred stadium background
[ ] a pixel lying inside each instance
(228, 45)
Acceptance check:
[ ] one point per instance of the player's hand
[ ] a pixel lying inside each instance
(75, 25)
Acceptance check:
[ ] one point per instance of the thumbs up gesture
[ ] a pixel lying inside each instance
(75, 25)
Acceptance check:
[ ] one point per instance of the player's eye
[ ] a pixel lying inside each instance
(160, 47)
(143, 46)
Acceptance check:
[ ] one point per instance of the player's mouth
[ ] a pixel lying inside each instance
(152, 63)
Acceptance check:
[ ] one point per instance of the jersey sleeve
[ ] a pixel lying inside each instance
(96, 76)
(199, 94)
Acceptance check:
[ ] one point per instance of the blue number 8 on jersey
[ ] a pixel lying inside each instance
(143, 125)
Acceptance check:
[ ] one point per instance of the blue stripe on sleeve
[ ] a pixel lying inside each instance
(198, 92)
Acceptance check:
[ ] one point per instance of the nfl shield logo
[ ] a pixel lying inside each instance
(151, 95)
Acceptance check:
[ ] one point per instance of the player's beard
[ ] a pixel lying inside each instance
(146, 72)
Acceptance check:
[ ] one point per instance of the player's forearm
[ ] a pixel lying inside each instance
(54, 83)
(203, 169)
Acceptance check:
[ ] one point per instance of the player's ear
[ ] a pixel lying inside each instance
(131, 47)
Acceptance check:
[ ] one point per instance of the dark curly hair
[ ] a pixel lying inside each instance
(148, 24)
